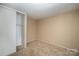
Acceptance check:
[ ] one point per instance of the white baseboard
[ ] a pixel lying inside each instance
(68, 49)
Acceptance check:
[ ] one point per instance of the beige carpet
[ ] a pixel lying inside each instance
(38, 48)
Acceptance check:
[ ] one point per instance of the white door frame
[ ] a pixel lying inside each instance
(24, 40)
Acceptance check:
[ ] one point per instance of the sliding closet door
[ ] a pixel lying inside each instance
(7, 31)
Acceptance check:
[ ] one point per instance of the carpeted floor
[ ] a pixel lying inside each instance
(38, 48)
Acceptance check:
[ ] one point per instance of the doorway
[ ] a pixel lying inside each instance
(19, 31)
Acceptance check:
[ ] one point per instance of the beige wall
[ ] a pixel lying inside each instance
(31, 29)
(61, 30)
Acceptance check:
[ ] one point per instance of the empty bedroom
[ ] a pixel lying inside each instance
(39, 29)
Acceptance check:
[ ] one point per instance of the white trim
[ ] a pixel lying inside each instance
(25, 31)
(20, 12)
(12, 9)
(75, 50)
(7, 7)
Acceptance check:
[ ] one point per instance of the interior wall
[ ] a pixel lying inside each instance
(31, 29)
(60, 30)
(7, 31)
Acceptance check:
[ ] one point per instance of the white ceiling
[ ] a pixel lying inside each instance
(39, 11)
